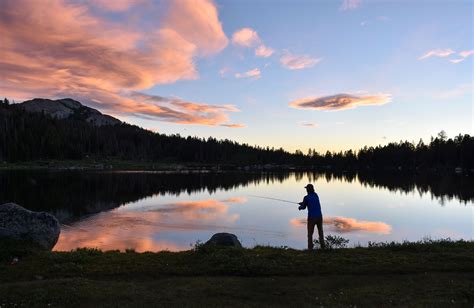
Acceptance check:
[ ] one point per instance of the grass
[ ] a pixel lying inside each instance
(429, 273)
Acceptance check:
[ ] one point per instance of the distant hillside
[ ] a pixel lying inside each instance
(44, 129)
(68, 108)
(64, 129)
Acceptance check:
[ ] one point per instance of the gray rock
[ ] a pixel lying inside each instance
(20, 224)
(224, 239)
(67, 108)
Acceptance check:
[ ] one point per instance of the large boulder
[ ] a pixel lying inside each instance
(224, 239)
(19, 224)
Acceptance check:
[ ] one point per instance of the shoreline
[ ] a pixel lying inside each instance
(406, 274)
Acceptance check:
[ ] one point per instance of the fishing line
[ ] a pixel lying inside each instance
(276, 199)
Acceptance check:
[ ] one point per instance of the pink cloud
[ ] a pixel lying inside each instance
(245, 37)
(347, 5)
(340, 101)
(255, 73)
(297, 62)
(234, 125)
(76, 53)
(437, 53)
(264, 51)
(466, 53)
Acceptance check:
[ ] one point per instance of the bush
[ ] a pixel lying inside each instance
(333, 242)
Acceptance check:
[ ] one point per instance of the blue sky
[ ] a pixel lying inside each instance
(374, 47)
(360, 72)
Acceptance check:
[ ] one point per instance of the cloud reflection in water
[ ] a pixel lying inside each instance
(141, 229)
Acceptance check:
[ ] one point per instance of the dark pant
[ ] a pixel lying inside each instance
(315, 221)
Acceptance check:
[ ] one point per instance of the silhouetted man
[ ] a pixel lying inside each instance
(315, 216)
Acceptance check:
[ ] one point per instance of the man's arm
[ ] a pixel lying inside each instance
(303, 204)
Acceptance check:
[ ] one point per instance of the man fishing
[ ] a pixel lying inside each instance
(315, 216)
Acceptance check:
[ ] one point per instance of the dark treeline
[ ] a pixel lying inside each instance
(32, 136)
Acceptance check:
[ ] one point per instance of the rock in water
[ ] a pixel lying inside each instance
(224, 239)
(20, 224)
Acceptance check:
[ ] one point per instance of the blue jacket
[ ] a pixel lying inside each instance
(311, 201)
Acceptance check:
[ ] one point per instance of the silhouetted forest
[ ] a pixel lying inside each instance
(32, 136)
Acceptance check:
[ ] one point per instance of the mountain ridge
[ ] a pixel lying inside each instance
(67, 108)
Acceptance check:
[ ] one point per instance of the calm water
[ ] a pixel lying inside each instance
(155, 211)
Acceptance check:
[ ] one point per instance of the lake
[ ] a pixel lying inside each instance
(153, 211)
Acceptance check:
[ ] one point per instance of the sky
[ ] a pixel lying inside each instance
(326, 75)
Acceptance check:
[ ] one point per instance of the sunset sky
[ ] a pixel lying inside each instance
(328, 75)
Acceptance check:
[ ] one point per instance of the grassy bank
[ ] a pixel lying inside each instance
(431, 273)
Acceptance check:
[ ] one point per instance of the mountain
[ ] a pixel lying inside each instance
(68, 108)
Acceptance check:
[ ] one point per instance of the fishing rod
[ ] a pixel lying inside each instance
(276, 199)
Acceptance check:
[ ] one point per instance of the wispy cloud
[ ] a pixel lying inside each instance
(234, 125)
(264, 51)
(347, 5)
(297, 62)
(77, 53)
(466, 53)
(442, 53)
(255, 74)
(340, 101)
(309, 124)
(179, 111)
(437, 53)
(346, 225)
(224, 71)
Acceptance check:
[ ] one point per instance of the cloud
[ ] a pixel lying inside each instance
(249, 38)
(345, 225)
(437, 53)
(223, 71)
(234, 125)
(179, 111)
(347, 5)
(294, 62)
(76, 52)
(466, 53)
(245, 37)
(307, 124)
(340, 101)
(264, 51)
(255, 74)
(456, 61)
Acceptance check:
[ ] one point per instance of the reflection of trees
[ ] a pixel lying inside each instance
(75, 194)
(70, 195)
(444, 188)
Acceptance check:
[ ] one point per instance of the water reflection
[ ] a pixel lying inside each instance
(156, 211)
(346, 224)
(72, 195)
(140, 227)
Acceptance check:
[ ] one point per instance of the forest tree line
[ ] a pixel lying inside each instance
(33, 136)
